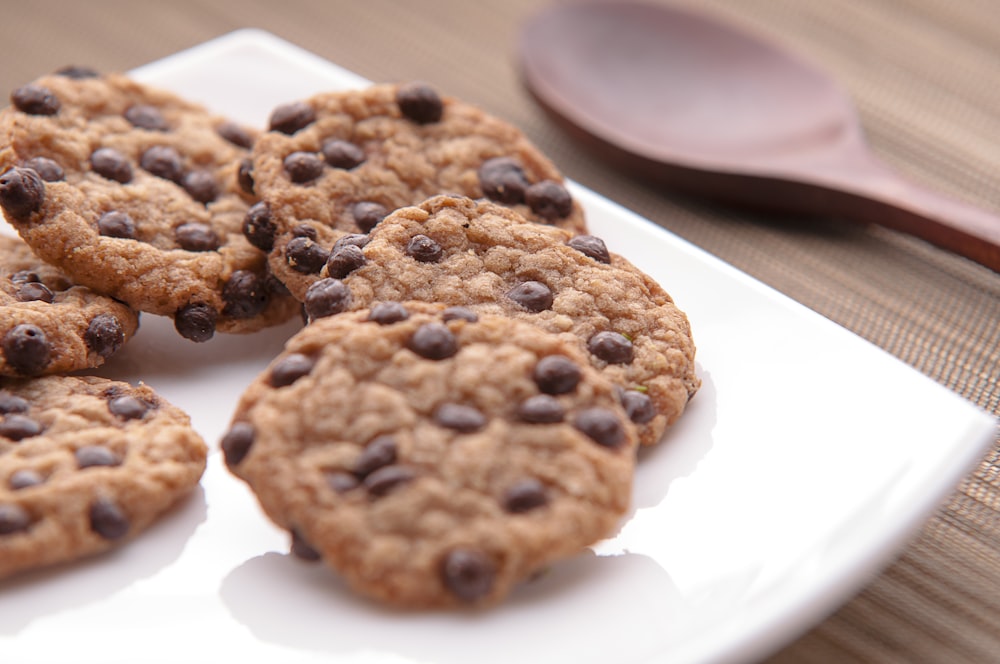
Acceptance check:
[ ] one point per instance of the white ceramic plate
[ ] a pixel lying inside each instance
(802, 465)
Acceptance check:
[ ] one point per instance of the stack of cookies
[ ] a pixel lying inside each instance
(475, 374)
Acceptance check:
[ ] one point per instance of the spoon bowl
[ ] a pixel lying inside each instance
(682, 99)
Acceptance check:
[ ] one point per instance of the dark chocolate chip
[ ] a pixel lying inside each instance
(302, 254)
(24, 479)
(387, 313)
(144, 116)
(13, 519)
(419, 102)
(525, 495)
(27, 349)
(35, 100)
(258, 226)
(128, 407)
(305, 230)
(237, 442)
(367, 215)
(235, 134)
(638, 406)
(532, 295)
(289, 118)
(459, 313)
(245, 295)
(358, 240)
(196, 321)
(163, 161)
(327, 297)
(592, 246)
(77, 72)
(11, 403)
(303, 167)
(556, 374)
(344, 260)
(16, 426)
(47, 169)
(92, 456)
(24, 277)
(105, 335)
(195, 236)
(301, 549)
(541, 409)
(111, 164)
(549, 200)
(503, 180)
(600, 425)
(116, 224)
(468, 574)
(244, 176)
(200, 185)
(343, 154)
(22, 192)
(379, 452)
(290, 368)
(341, 481)
(387, 479)
(459, 417)
(424, 249)
(33, 292)
(433, 341)
(612, 347)
(108, 520)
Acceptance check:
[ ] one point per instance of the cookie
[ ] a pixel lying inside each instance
(433, 457)
(477, 254)
(86, 463)
(338, 162)
(132, 191)
(50, 325)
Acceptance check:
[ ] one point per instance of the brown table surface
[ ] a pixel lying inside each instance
(925, 75)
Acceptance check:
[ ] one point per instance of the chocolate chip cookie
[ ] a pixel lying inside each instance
(50, 325)
(86, 463)
(484, 256)
(433, 456)
(133, 191)
(338, 162)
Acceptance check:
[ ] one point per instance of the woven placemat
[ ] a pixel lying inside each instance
(923, 74)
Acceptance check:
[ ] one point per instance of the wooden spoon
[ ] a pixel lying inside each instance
(681, 99)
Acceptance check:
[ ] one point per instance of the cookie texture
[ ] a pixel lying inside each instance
(86, 463)
(338, 162)
(133, 191)
(433, 457)
(484, 256)
(50, 325)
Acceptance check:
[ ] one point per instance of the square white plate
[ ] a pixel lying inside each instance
(801, 467)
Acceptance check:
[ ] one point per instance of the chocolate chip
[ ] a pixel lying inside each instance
(111, 164)
(420, 103)
(16, 426)
(108, 520)
(468, 574)
(379, 452)
(303, 255)
(532, 295)
(35, 100)
(342, 154)
(244, 176)
(303, 167)
(459, 313)
(22, 192)
(24, 277)
(612, 347)
(638, 406)
(77, 72)
(600, 425)
(13, 519)
(196, 321)
(290, 368)
(459, 417)
(342, 482)
(549, 200)
(104, 335)
(258, 226)
(27, 349)
(33, 292)
(144, 116)
(327, 297)
(200, 185)
(387, 479)
(128, 407)
(387, 313)
(116, 224)
(245, 295)
(24, 479)
(524, 496)
(424, 249)
(344, 260)
(301, 549)
(237, 442)
(433, 341)
(592, 246)
(290, 118)
(367, 215)
(235, 134)
(195, 236)
(358, 240)
(92, 456)
(503, 180)
(11, 403)
(304, 230)
(47, 169)
(556, 374)
(163, 161)
(541, 409)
